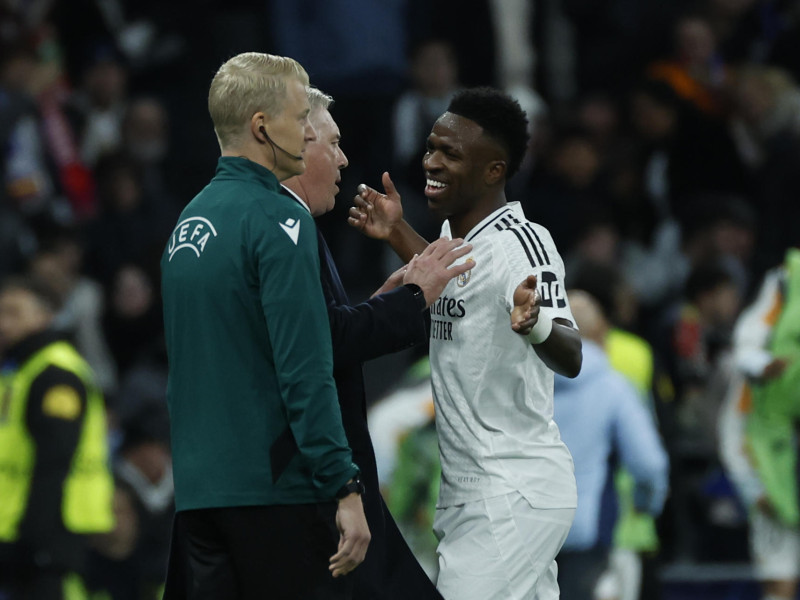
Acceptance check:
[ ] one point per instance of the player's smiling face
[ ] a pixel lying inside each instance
(456, 161)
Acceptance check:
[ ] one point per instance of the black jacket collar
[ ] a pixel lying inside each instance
(23, 350)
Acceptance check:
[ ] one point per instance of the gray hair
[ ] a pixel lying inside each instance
(318, 99)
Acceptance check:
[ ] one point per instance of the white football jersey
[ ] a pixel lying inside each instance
(493, 395)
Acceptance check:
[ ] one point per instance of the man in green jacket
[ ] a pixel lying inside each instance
(265, 487)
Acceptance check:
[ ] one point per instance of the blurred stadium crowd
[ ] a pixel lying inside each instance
(664, 159)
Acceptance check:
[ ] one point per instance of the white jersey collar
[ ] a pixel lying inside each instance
(511, 208)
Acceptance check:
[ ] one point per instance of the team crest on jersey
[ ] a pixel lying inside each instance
(193, 234)
(463, 279)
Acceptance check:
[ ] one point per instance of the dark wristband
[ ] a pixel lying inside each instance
(416, 291)
(354, 486)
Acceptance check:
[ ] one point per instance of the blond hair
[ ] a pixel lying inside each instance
(246, 84)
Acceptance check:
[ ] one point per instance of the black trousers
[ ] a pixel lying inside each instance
(255, 553)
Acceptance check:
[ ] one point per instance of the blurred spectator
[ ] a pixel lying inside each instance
(133, 321)
(136, 570)
(723, 229)
(433, 81)
(357, 52)
(598, 113)
(55, 482)
(695, 70)
(694, 332)
(145, 136)
(27, 180)
(43, 159)
(692, 338)
(685, 152)
(767, 128)
(616, 39)
(565, 195)
(59, 263)
(132, 225)
(599, 413)
(97, 106)
(758, 441)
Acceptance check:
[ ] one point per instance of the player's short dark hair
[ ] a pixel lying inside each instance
(36, 287)
(501, 117)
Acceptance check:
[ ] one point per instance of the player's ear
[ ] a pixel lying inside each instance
(495, 172)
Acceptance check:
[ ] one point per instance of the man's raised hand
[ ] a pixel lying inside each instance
(376, 214)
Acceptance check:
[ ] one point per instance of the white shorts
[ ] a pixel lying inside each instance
(775, 548)
(500, 549)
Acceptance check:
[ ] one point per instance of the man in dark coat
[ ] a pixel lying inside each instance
(393, 319)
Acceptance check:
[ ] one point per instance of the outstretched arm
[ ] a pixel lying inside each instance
(555, 341)
(380, 216)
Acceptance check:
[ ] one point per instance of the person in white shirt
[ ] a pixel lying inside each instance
(498, 333)
(774, 543)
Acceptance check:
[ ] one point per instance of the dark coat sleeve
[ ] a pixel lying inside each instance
(56, 437)
(384, 324)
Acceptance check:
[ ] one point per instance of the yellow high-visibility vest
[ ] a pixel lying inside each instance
(89, 486)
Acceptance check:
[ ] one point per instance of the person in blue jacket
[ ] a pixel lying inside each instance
(599, 414)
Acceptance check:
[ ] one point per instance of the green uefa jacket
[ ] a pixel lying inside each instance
(254, 415)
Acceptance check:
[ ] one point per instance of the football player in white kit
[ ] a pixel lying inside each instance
(774, 543)
(498, 332)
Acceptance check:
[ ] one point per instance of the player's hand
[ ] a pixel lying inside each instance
(376, 214)
(395, 280)
(431, 270)
(775, 368)
(525, 312)
(354, 536)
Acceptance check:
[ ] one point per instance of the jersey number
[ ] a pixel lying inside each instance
(551, 291)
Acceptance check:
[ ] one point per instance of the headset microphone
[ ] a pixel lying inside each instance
(269, 140)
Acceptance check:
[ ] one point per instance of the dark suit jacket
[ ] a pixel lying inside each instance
(386, 323)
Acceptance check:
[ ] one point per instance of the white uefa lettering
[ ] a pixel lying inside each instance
(202, 242)
(181, 233)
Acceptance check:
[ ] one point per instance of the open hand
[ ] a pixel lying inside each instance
(525, 312)
(431, 270)
(376, 214)
(354, 536)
